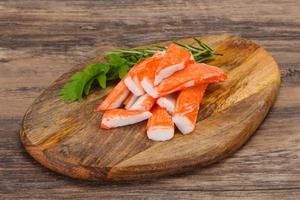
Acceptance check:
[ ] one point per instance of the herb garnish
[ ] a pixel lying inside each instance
(117, 65)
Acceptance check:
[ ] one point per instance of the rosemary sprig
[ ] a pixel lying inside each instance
(118, 63)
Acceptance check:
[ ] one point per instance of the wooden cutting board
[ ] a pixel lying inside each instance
(65, 136)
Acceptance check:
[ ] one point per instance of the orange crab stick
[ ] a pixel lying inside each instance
(187, 107)
(132, 80)
(160, 126)
(143, 103)
(129, 101)
(174, 60)
(115, 98)
(168, 102)
(193, 74)
(147, 76)
(121, 117)
(134, 85)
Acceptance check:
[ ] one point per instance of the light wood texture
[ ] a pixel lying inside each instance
(65, 136)
(39, 40)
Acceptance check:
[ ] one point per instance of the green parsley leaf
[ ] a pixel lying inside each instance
(123, 71)
(88, 86)
(95, 69)
(112, 74)
(115, 60)
(101, 78)
(74, 89)
(81, 82)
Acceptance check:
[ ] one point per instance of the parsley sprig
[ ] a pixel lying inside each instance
(117, 64)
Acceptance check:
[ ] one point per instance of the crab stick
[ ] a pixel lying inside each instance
(147, 76)
(168, 102)
(121, 117)
(115, 98)
(143, 103)
(132, 80)
(193, 74)
(160, 126)
(129, 101)
(187, 107)
(174, 60)
(134, 85)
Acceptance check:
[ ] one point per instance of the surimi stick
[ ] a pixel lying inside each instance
(143, 103)
(121, 117)
(187, 107)
(168, 102)
(193, 74)
(160, 126)
(134, 85)
(132, 80)
(147, 76)
(174, 60)
(129, 101)
(115, 98)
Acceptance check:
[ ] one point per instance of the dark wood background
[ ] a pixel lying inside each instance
(40, 40)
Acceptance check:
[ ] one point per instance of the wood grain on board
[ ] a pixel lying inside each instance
(39, 40)
(65, 136)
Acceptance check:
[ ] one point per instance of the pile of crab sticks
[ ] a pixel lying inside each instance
(166, 89)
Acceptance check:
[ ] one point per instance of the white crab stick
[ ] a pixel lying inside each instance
(129, 101)
(121, 117)
(133, 78)
(115, 98)
(187, 107)
(168, 102)
(174, 60)
(143, 103)
(147, 84)
(134, 85)
(160, 126)
(193, 74)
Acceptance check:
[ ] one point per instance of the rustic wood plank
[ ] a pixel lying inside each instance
(36, 35)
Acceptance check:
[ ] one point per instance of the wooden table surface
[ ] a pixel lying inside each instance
(40, 40)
